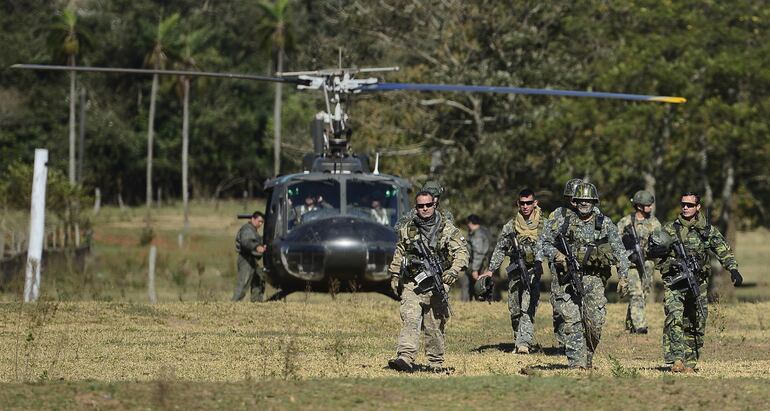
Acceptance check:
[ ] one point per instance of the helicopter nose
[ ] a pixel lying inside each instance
(344, 248)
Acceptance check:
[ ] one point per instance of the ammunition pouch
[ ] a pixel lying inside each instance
(597, 255)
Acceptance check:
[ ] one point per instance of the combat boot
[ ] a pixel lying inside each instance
(642, 330)
(678, 366)
(689, 370)
(399, 364)
(522, 349)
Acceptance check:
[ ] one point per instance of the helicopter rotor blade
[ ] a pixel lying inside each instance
(161, 72)
(518, 90)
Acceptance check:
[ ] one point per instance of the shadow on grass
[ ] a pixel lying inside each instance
(504, 347)
(662, 368)
(553, 351)
(547, 367)
(425, 369)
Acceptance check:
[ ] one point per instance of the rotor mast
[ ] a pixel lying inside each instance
(336, 85)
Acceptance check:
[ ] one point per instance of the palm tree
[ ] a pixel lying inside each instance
(65, 37)
(276, 28)
(194, 51)
(157, 58)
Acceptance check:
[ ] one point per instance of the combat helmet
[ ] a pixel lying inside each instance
(643, 197)
(434, 188)
(569, 188)
(483, 286)
(586, 191)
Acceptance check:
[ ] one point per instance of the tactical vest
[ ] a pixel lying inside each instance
(595, 255)
(413, 257)
(696, 245)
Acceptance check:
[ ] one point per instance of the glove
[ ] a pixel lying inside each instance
(623, 286)
(537, 269)
(657, 251)
(736, 277)
(449, 277)
(394, 281)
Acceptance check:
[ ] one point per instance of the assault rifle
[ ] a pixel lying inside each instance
(517, 262)
(429, 278)
(576, 281)
(688, 268)
(637, 249)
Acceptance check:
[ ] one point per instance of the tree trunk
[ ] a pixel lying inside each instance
(185, 148)
(72, 123)
(82, 135)
(277, 117)
(721, 286)
(150, 132)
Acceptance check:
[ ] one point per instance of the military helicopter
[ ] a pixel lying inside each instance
(330, 226)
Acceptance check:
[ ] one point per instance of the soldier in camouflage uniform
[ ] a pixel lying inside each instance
(479, 248)
(424, 312)
(248, 245)
(526, 226)
(640, 284)
(595, 241)
(437, 191)
(684, 328)
(550, 228)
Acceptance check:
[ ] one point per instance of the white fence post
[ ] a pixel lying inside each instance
(36, 226)
(151, 275)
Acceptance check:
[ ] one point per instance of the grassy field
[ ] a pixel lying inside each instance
(93, 342)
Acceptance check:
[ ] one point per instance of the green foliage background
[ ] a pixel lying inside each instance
(715, 54)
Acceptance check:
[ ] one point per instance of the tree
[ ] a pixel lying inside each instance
(157, 58)
(65, 38)
(276, 29)
(194, 50)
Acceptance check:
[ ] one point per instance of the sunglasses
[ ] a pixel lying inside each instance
(425, 205)
(688, 205)
(526, 202)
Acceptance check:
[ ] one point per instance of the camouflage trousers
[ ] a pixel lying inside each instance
(683, 330)
(421, 314)
(578, 348)
(249, 277)
(638, 289)
(522, 306)
(558, 321)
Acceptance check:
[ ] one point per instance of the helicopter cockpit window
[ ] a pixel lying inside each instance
(312, 200)
(373, 200)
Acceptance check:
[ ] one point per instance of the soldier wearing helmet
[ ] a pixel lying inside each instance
(595, 241)
(635, 230)
(550, 227)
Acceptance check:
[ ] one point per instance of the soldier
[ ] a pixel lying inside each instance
(550, 228)
(594, 240)
(437, 191)
(526, 226)
(248, 245)
(424, 312)
(684, 328)
(640, 272)
(480, 248)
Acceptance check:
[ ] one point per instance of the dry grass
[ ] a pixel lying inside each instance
(352, 336)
